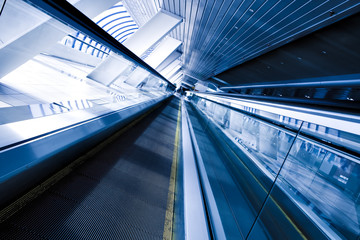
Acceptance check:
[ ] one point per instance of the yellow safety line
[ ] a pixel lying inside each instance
(169, 215)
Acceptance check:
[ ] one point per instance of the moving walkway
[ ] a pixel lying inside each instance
(134, 162)
(119, 192)
(205, 166)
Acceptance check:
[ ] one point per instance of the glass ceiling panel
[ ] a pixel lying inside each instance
(116, 21)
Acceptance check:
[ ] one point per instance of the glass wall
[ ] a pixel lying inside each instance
(298, 183)
(50, 67)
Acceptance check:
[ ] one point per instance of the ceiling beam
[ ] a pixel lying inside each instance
(140, 42)
(162, 52)
(172, 57)
(152, 32)
(35, 34)
(170, 67)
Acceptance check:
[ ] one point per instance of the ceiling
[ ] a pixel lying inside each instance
(329, 53)
(218, 35)
(117, 22)
(221, 39)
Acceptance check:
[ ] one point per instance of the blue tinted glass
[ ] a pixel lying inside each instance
(316, 195)
(242, 156)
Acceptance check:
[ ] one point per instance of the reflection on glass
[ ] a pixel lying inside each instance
(329, 186)
(254, 149)
(339, 138)
(266, 144)
(268, 116)
(85, 44)
(321, 183)
(20, 113)
(317, 192)
(47, 62)
(113, 18)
